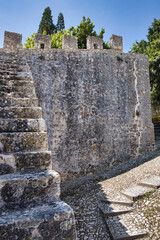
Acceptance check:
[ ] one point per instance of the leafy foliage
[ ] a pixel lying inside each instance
(140, 47)
(153, 52)
(60, 23)
(154, 31)
(152, 49)
(46, 23)
(56, 39)
(30, 41)
(83, 30)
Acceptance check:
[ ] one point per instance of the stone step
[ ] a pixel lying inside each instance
(18, 102)
(6, 72)
(16, 78)
(112, 209)
(25, 161)
(29, 94)
(54, 220)
(153, 182)
(117, 201)
(24, 141)
(135, 192)
(122, 228)
(28, 89)
(13, 62)
(13, 68)
(15, 83)
(21, 190)
(21, 112)
(22, 125)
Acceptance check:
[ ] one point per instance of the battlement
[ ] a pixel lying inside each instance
(42, 41)
(13, 42)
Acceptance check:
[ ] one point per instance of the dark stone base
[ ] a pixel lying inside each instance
(53, 221)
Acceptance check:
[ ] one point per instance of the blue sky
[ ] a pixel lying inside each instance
(127, 18)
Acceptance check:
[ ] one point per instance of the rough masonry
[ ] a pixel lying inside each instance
(30, 206)
(96, 104)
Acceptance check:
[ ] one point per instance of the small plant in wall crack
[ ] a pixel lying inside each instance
(42, 57)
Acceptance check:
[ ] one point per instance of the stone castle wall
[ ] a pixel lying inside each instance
(96, 105)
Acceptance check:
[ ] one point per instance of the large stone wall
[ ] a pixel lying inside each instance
(96, 105)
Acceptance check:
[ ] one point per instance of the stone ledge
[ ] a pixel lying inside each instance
(49, 221)
(20, 190)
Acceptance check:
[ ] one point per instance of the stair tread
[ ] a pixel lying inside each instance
(56, 210)
(153, 181)
(120, 227)
(21, 112)
(27, 152)
(118, 200)
(22, 125)
(136, 191)
(30, 160)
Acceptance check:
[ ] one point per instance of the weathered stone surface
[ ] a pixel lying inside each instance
(153, 181)
(135, 192)
(12, 41)
(116, 43)
(29, 189)
(94, 42)
(42, 41)
(22, 125)
(52, 221)
(96, 105)
(19, 89)
(24, 141)
(18, 102)
(20, 190)
(21, 112)
(15, 85)
(30, 94)
(69, 42)
(25, 161)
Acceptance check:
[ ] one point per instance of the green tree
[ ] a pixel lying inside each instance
(140, 47)
(154, 31)
(60, 23)
(56, 38)
(153, 52)
(152, 49)
(30, 41)
(46, 23)
(83, 30)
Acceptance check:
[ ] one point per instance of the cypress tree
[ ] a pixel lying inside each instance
(46, 23)
(60, 23)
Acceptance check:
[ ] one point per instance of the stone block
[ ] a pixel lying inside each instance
(24, 141)
(49, 221)
(69, 42)
(42, 41)
(116, 43)
(21, 112)
(94, 42)
(19, 190)
(12, 41)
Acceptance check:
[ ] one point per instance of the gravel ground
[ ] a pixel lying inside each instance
(84, 197)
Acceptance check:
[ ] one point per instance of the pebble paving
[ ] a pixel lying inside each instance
(145, 213)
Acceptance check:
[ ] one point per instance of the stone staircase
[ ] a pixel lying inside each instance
(117, 211)
(29, 190)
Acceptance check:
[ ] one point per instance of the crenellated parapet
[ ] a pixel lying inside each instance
(13, 42)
